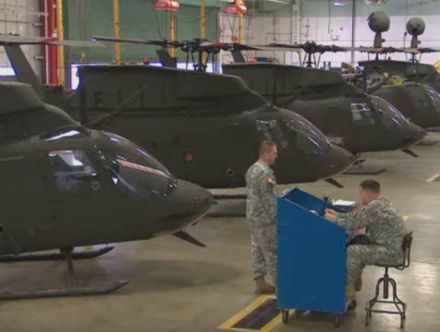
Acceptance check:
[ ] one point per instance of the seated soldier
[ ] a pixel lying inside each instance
(384, 228)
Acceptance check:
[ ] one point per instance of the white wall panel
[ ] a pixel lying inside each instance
(20, 17)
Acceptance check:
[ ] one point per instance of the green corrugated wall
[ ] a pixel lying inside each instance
(86, 18)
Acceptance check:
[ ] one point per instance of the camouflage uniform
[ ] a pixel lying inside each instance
(261, 213)
(385, 229)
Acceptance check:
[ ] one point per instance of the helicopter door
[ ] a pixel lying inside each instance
(79, 202)
(25, 218)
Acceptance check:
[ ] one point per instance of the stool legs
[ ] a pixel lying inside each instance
(401, 306)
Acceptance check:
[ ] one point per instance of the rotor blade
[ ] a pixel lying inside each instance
(22, 68)
(334, 182)
(206, 45)
(161, 43)
(308, 47)
(188, 238)
(381, 50)
(30, 40)
(427, 50)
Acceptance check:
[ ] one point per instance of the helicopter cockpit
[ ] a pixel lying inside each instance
(132, 170)
(292, 126)
(126, 162)
(390, 115)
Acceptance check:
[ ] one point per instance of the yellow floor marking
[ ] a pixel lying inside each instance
(272, 324)
(228, 325)
(433, 178)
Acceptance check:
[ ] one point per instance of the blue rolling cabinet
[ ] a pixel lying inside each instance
(311, 257)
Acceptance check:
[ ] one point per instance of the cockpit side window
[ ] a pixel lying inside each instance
(72, 171)
(361, 114)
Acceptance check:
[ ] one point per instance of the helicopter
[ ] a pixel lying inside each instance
(206, 127)
(410, 86)
(349, 117)
(66, 186)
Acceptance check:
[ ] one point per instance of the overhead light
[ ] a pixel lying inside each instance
(167, 5)
(340, 3)
(236, 7)
(375, 2)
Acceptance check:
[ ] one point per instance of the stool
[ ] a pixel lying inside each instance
(387, 281)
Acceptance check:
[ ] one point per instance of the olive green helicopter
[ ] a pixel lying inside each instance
(66, 186)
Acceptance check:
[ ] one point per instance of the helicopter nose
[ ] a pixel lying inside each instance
(415, 134)
(339, 160)
(190, 203)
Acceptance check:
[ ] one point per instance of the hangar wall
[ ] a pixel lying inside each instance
(336, 28)
(20, 17)
(313, 20)
(86, 18)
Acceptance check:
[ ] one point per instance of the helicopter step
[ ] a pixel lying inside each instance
(359, 168)
(72, 290)
(55, 256)
(428, 142)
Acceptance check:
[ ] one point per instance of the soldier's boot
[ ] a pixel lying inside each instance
(350, 292)
(358, 284)
(262, 287)
(350, 296)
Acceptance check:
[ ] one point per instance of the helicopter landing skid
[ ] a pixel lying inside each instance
(54, 257)
(102, 289)
(231, 196)
(73, 289)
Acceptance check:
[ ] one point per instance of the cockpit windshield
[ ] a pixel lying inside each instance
(134, 171)
(434, 96)
(283, 130)
(308, 134)
(390, 114)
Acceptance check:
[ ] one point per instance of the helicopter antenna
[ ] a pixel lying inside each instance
(115, 112)
(274, 86)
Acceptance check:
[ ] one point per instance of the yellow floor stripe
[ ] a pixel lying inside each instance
(433, 178)
(228, 325)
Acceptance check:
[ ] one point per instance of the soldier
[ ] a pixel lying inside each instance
(384, 228)
(261, 213)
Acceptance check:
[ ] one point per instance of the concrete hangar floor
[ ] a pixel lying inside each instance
(178, 287)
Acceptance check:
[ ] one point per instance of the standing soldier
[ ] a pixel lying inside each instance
(261, 213)
(384, 228)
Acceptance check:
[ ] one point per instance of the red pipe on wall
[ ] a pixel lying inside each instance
(44, 33)
(49, 26)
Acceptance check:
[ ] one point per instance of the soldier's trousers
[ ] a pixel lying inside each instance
(264, 251)
(358, 256)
